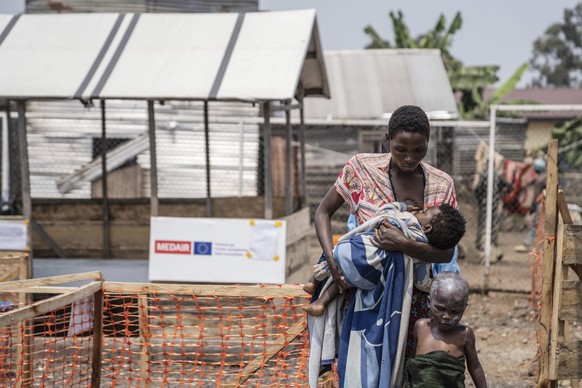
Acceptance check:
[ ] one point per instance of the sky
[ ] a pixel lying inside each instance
(12, 6)
(494, 32)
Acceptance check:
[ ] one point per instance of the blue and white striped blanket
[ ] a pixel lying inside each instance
(370, 342)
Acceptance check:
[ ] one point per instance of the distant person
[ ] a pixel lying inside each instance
(442, 226)
(539, 184)
(442, 344)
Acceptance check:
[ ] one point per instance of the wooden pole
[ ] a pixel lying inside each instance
(24, 357)
(267, 162)
(207, 156)
(25, 179)
(302, 151)
(154, 202)
(550, 230)
(26, 339)
(288, 160)
(104, 194)
(144, 341)
(97, 337)
(557, 325)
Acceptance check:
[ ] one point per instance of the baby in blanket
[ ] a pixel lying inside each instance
(441, 343)
(442, 226)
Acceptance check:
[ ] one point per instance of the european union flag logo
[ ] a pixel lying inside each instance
(202, 248)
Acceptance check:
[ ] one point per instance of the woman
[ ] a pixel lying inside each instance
(368, 182)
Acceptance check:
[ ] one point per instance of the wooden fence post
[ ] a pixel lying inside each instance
(550, 229)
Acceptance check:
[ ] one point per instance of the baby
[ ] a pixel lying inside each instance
(442, 344)
(442, 226)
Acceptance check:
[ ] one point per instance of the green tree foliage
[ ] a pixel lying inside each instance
(557, 55)
(468, 81)
(569, 136)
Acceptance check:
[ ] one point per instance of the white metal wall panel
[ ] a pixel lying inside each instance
(268, 56)
(49, 56)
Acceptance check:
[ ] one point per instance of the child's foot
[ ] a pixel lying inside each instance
(309, 287)
(315, 309)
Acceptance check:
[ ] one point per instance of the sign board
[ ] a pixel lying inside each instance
(13, 235)
(217, 250)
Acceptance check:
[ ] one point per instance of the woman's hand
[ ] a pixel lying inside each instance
(389, 237)
(337, 275)
(412, 206)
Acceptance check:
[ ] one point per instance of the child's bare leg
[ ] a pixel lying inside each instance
(311, 285)
(318, 306)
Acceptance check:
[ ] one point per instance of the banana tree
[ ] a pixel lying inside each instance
(469, 82)
(569, 136)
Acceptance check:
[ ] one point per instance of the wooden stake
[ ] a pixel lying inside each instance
(97, 337)
(144, 340)
(548, 261)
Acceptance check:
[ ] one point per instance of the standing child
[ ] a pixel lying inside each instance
(442, 344)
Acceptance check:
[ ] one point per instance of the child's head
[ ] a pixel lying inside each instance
(443, 225)
(408, 118)
(449, 294)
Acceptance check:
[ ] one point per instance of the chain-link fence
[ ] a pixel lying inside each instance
(65, 145)
(66, 142)
(461, 149)
(209, 162)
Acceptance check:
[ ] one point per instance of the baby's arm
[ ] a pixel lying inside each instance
(391, 238)
(473, 363)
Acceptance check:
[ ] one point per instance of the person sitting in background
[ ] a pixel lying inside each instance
(441, 343)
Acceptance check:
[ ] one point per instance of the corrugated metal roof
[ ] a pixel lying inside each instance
(246, 57)
(43, 6)
(371, 84)
(50, 55)
(554, 96)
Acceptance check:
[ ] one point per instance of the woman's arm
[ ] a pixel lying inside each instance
(390, 238)
(322, 219)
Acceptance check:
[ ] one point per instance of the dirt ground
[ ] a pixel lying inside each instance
(505, 319)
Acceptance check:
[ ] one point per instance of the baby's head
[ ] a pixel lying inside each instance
(449, 294)
(443, 225)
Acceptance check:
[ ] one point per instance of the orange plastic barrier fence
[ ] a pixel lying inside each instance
(204, 336)
(157, 335)
(49, 350)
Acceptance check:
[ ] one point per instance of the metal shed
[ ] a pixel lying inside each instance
(273, 59)
(371, 84)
